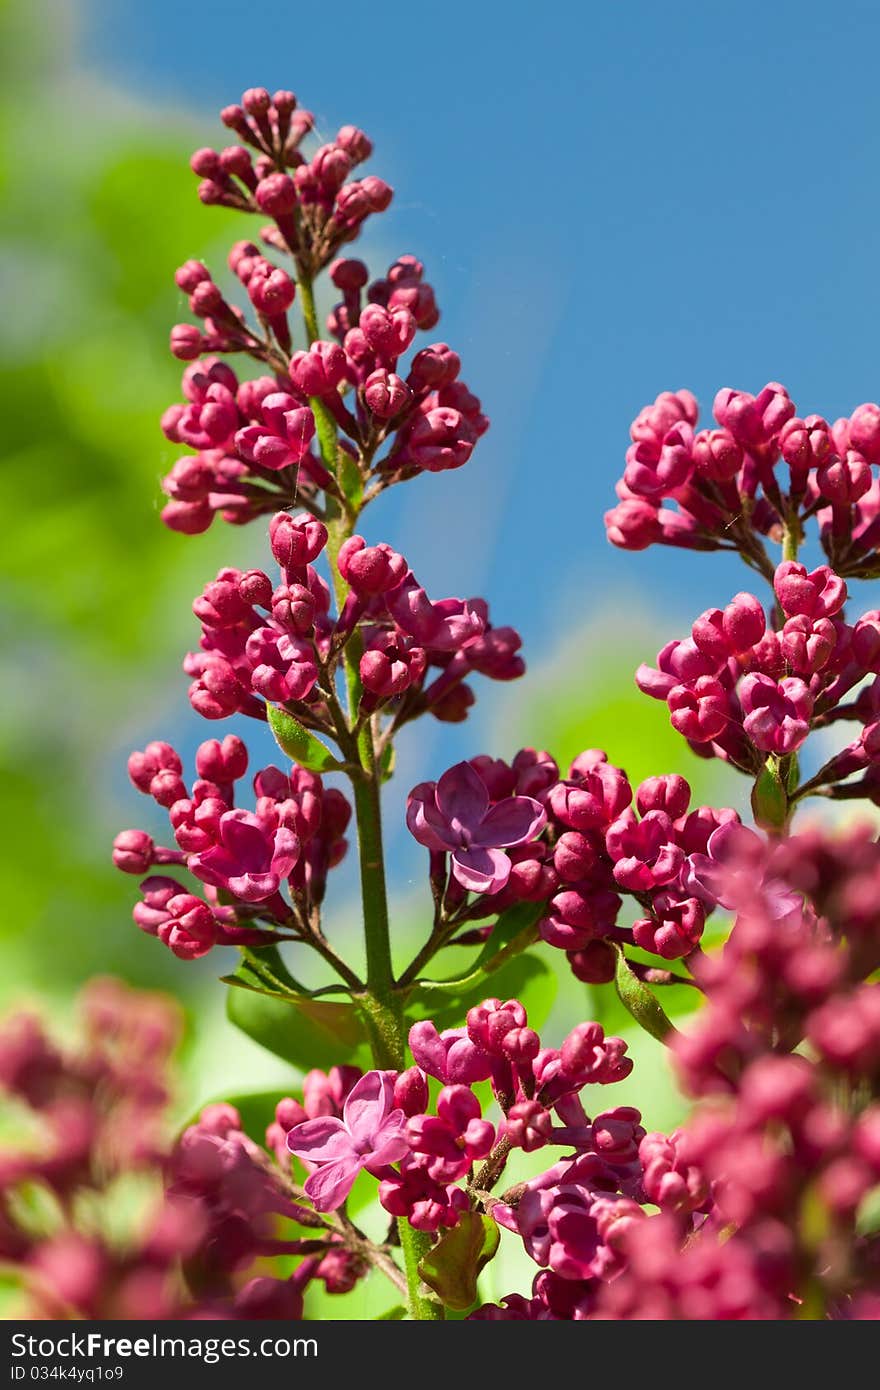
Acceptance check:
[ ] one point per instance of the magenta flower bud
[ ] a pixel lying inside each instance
(521, 1046)
(644, 852)
(391, 665)
(370, 569)
(528, 1126)
(222, 762)
(271, 290)
(319, 371)
(588, 1057)
(190, 274)
(807, 644)
(133, 851)
(355, 143)
(777, 714)
(205, 162)
(411, 1092)
(700, 711)
(276, 195)
(185, 342)
(753, 420)
(433, 367)
(294, 607)
(657, 473)
(378, 192)
(450, 1056)
(256, 101)
(157, 756)
(671, 794)
(806, 444)
(190, 929)
(716, 455)
(595, 963)
(216, 692)
(167, 787)
(489, 1023)
(188, 518)
(864, 431)
(330, 167)
(594, 796)
(575, 917)
(844, 480)
(633, 524)
(385, 393)
(150, 912)
(296, 541)
(349, 275)
(674, 930)
(440, 440)
(743, 623)
(670, 1183)
(574, 856)
(819, 594)
(388, 332)
(284, 436)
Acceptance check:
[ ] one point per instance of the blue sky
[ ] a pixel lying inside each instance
(611, 200)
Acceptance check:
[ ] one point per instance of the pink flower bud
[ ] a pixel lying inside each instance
(595, 963)
(319, 371)
(819, 594)
(717, 456)
(777, 715)
(671, 794)
(222, 762)
(699, 711)
(185, 342)
(370, 569)
(433, 367)
(143, 766)
(133, 851)
(864, 431)
(296, 541)
(276, 195)
(574, 855)
(385, 393)
(844, 480)
(411, 1092)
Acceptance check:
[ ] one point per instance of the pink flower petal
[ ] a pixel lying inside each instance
(512, 822)
(322, 1140)
(330, 1184)
(462, 795)
(368, 1105)
(481, 870)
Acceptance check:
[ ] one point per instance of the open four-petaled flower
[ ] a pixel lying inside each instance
(455, 815)
(371, 1134)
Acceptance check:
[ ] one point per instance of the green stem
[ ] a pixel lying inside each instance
(791, 538)
(381, 1005)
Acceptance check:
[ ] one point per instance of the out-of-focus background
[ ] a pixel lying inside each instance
(610, 201)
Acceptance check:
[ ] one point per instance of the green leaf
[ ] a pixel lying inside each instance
(303, 1031)
(640, 1002)
(517, 927)
(299, 743)
(452, 1266)
(524, 977)
(769, 796)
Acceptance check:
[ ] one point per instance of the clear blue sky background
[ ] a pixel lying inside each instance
(612, 200)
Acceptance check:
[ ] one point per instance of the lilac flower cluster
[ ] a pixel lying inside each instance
(762, 470)
(294, 834)
(576, 846)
